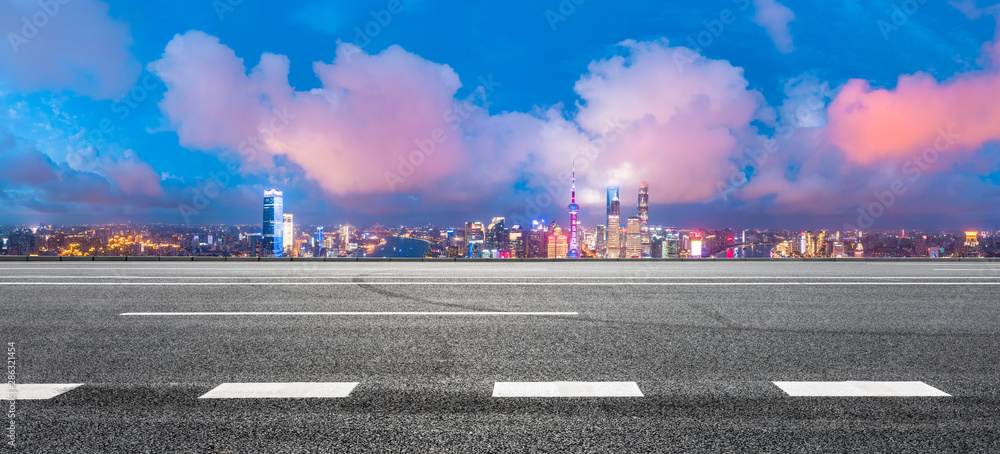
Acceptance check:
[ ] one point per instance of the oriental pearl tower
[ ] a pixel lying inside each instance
(574, 209)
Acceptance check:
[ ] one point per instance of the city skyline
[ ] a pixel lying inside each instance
(740, 113)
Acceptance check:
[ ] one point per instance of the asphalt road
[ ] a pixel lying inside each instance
(703, 341)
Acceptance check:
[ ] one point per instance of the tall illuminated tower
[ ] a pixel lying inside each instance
(613, 241)
(644, 219)
(288, 231)
(574, 210)
(274, 219)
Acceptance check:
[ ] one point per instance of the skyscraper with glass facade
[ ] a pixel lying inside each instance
(274, 219)
(613, 240)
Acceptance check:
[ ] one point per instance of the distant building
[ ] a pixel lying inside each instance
(516, 245)
(320, 246)
(288, 233)
(644, 219)
(574, 223)
(633, 238)
(558, 244)
(537, 245)
(273, 235)
(696, 250)
(614, 224)
(475, 239)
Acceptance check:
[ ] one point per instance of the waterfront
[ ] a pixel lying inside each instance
(398, 247)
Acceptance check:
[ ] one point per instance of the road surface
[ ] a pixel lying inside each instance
(503, 357)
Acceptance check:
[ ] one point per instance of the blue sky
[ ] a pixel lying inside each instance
(92, 135)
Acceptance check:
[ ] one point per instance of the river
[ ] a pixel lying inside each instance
(396, 247)
(753, 251)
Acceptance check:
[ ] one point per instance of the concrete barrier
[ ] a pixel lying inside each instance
(48, 258)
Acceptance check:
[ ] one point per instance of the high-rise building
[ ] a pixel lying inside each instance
(601, 232)
(496, 236)
(319, 243)
(475, 239)
(644, 219)
(537, 247)
(613, 240)
(672, 246)
(517, 243)
(287, 230)
(574, 224)
(633, 238)
(696, 250)
(558, 243)
(274, 220)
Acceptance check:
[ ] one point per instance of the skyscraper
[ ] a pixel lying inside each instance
(574, 210)
(614, 224)
(517, 243)
(558, 244)
(288, 237)
(496, 236)
(274, 219)
(319, 243)
(633, 239)
(475, 236)
(644, 219)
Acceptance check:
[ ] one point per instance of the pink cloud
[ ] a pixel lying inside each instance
(775, 17)
(134, 177)
(75, 46)
(683, 122)
(390, 123)
(878, 125)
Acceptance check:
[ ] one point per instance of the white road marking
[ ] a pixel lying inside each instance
(23, 391)
(591, 284)
(280, 391)
(157, 314)
(968, 269)
(625, 278)
(860, 389)
(566, 389)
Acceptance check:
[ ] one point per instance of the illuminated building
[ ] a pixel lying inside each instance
(601, 233)
(633, 238)
(644, 219)
(345, 237)
(537, 246)
(838, 249)
(288, 236)
(319, 242)
(614, 224)
(971, 244)
(517, 243)
(696, 245)
(273, 235)
(574, 224)
(475, 237)
(496, 237)
(558, 244)
(859, 251)
(672, 247)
